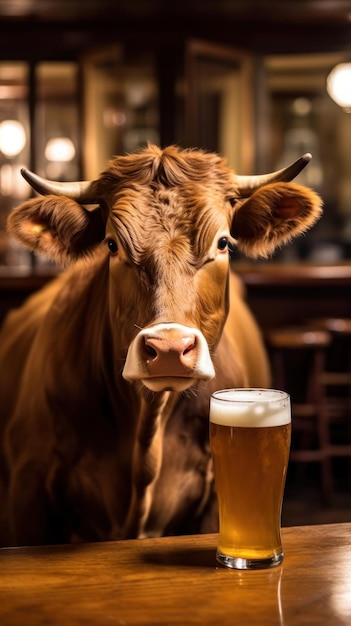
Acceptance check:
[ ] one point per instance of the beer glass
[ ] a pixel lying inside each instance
(250, 433)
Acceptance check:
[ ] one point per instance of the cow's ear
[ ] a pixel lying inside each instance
(58, 227)
(273, 216)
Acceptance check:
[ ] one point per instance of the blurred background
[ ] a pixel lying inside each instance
(82, 80)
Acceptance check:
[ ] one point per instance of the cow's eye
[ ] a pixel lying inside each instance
(233, 201)
(112, 246)
(222, 243)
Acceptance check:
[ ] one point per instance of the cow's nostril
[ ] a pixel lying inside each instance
(190, 347)
(149, 350)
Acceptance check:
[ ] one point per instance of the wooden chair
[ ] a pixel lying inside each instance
(337, 378)
(298, 356)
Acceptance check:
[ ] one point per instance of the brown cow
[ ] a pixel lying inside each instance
(106, 373)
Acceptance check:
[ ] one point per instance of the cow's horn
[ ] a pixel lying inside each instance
(249, 184)
(83, 191)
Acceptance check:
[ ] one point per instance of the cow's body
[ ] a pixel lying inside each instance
(106, 373)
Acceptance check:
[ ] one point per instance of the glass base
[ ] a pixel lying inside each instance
(240, 563)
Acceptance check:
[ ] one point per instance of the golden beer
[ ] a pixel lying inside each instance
(250, 442)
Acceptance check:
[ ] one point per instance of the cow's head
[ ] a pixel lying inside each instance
(167, 219)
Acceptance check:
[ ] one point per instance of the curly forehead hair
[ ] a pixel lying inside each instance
(170, 167)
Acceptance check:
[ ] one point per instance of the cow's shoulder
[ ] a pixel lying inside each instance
(46, 325)
(63, 291)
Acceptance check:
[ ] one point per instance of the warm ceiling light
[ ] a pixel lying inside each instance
(60, 149)
(339, 85)
(12, 137)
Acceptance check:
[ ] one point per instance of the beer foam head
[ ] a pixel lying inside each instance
(252, 407)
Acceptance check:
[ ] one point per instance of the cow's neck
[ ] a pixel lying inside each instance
(147, 457)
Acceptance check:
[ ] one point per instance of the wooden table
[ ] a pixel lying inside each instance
(176, 581)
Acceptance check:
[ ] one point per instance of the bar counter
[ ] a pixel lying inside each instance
(175, 581)
(289, 294)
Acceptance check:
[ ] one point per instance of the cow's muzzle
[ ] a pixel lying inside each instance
(168, 356)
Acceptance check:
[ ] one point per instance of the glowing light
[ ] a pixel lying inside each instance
(60, 149)
(339, 85)
(12, 138)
